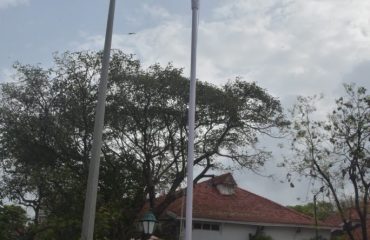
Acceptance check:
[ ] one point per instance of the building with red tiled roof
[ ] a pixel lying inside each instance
(221, 210)
(352, 216)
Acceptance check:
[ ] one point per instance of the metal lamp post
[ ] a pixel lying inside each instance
(315, 212)
(315, 215)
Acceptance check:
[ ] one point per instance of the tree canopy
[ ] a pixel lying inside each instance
(336, 151)
(46, 122)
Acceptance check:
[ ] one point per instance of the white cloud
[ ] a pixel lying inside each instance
(156, 11)
(162, 44)
(12, 3)
(323, 39)
(289, 47)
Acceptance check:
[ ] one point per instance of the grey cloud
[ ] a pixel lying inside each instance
(359, 74)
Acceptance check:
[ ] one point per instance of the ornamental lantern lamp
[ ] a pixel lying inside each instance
(148, 222)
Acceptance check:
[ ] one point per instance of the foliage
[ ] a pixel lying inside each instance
(318, 238)
(260, 236)
(152, 125)
(46, 124)
(339, 238)
(336, 152)
(323, 209)
(12, 222)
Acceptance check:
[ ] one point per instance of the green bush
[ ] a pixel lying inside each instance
(260, 236)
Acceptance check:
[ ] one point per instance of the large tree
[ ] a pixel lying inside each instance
(46, 121)
(148, 122)
(336, 151)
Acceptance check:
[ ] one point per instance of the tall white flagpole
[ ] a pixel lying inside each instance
(92, 182)
(191, 122)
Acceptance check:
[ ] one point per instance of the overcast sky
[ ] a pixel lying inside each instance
(289, 47)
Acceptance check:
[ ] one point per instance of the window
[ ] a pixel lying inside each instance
(226, 189)
(206, 226)
(197, 226)
(215, 227)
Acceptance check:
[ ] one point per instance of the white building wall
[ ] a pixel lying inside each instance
(227, 232)
(282, 233)
(231, 231)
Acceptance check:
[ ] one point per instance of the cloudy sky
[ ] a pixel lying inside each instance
(289, 47)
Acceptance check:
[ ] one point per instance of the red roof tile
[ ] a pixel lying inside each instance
(336, 220)
(243, 206)
(351, 215)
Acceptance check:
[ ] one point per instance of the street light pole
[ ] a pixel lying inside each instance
(92, 182)
(191, 122)
(315, 215)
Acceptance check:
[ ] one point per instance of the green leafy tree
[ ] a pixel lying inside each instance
(336, 152)
(12, 222)
(46, 121)
(323, 209)
(46, 133)
(149, 115)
